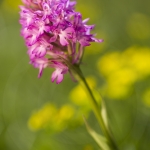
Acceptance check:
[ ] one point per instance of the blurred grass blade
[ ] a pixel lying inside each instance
(100, 140)
(104, 113)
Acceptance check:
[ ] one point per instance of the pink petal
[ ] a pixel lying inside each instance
(53, 39)
(40, 71)
(57, 75)
(60, 77)
(63, 40)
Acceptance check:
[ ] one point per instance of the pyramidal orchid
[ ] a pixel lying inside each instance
(55, 35)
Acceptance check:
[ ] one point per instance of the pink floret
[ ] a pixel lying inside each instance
(52, 29)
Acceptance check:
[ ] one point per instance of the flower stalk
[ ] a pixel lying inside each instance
(96, 110)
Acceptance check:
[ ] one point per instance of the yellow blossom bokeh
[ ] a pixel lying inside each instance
(79, 96)
(123, 69)
(50, 116)
(41, 118)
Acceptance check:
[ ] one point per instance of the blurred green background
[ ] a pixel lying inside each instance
(36, 114)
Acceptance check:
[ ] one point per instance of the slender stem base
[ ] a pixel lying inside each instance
(96, 110)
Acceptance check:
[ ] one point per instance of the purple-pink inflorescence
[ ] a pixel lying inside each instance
(55, 34)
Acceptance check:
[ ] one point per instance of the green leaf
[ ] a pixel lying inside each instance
(104, 113)
(100, 140)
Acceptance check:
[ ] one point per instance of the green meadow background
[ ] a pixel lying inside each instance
(36, 114)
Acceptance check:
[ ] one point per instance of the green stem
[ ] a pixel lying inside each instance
(96, 110)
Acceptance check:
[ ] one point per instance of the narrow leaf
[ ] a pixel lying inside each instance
(100, 140)
(104, 113)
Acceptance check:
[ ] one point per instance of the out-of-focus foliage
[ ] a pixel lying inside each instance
(58, 119)
(38, 115)
(138, 26)
(146, 96)
(11, 6)
(88, 147)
